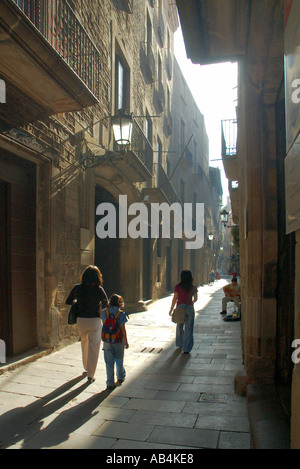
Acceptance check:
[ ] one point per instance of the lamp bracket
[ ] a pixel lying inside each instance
(90, 159)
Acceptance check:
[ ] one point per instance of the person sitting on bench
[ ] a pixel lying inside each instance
(232, 293)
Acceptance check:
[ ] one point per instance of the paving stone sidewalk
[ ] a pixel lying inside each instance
(168, 401)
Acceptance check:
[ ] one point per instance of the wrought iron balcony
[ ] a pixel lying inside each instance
(229, 137)
(137, 163)
(141, 146)
(165, 185)
(162, 189)
(59, 25)
(229, 148)
(48, 57)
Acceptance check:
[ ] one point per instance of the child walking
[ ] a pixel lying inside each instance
(114, 339)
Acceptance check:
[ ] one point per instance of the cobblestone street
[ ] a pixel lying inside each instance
(168, 401)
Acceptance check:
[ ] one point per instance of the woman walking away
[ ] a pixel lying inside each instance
(185, 293)
(114, 339)
(91, 298)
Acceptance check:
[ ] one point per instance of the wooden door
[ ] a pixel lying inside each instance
(18, 254)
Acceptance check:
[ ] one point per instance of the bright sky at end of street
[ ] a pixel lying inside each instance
(214, 88)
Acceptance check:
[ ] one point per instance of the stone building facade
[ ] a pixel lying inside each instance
(68, 66)
(193, 179)
(263, 37)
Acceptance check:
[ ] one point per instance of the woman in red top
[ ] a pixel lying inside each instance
(185, 293)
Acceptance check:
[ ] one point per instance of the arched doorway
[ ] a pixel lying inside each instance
(107, 251)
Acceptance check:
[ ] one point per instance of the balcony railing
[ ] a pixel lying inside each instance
(229, 149)
(59, 25)
(229, 137)
(163, 182)
(141, 146)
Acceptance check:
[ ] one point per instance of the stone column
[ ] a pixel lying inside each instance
(258, 225)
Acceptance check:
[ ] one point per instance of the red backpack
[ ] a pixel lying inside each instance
(111, 331)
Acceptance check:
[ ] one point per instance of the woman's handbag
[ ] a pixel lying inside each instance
(179, 315)
(72, 316)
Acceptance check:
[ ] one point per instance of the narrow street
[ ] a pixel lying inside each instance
(168, 401)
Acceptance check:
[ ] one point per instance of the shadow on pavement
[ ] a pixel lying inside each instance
(19, 425)
(48, 422)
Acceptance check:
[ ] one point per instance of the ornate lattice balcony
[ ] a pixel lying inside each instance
(47, 55)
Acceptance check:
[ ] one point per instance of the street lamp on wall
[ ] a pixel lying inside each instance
(122, 128)
(224, 217)
(210, 238)
(121, 124)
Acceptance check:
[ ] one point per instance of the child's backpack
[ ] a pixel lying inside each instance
(111, 332)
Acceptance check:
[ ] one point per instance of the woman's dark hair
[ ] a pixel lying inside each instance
(91, 276)
(186, 280)
(116, 300)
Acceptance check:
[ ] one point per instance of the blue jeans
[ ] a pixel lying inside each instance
(114, 354)
(184, 332)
